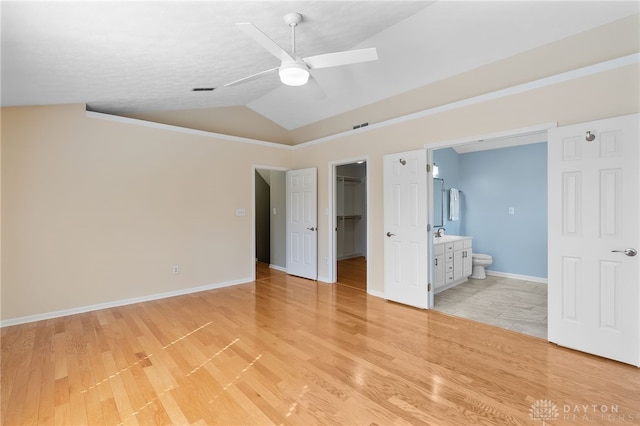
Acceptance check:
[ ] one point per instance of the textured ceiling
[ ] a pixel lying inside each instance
(145, 57)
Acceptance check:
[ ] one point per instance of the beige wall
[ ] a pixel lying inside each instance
(603, 95)
(98, 211)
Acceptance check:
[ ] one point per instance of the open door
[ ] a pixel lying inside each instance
(302, 236)
(594, 272)
(405, 225)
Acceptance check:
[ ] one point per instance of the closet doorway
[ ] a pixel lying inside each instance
(351, 224)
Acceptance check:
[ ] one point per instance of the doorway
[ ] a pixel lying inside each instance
(269, 218)
(350, 223)
(502, 191)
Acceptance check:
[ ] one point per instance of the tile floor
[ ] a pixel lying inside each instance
(504, 302)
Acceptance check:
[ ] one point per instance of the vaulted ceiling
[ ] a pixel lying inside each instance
(142, 59)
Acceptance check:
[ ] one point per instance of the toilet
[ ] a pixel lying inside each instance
(479, 262)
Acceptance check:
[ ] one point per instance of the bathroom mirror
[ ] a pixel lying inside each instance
(438, 207)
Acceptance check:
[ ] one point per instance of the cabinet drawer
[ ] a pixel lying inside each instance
(448, 277)
(448, 247)
(449, 257)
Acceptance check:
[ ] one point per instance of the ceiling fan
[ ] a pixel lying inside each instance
(294, 70)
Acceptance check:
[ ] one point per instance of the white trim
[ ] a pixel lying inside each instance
(277, 268)
(376, 293)
(513, 90)
(332, 257)
(114, 304)
(324, 280)
(505, 134)
(172, 128)
(541, 280)
(254, 168)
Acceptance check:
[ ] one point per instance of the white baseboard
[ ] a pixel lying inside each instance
(376, 293)
(325, 280)
(517, 276)
(277, 268)
(97, 307)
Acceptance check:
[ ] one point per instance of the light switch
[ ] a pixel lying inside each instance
(512, 210)
(274, 210)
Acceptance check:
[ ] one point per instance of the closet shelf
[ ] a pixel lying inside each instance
(350, 216)
(349, 179)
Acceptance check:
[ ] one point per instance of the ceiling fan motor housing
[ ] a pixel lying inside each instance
(294, 73)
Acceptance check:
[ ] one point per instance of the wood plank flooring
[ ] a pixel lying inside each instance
(353, 272)
(286, 350)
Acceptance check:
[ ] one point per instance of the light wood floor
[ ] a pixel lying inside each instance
(353, 272)
(285, 350)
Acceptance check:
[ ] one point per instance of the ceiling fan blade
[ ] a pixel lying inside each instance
(252, 77)
(316, 90)
(271, 46)
(341, 58)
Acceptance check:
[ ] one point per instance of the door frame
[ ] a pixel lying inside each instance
(485, 138)
(255, 167)
(332, 259)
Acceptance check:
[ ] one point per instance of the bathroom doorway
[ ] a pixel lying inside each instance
(503, 208)
(350, 219)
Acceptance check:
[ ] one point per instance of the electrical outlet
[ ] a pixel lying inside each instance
(512, 210)
(175, 269)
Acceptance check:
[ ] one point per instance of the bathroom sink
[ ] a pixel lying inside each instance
(447, 238)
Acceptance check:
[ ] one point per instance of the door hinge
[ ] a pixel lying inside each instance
(428, 168)
(429, 287)
(428, 227)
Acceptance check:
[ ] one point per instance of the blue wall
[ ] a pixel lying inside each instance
(491, 182)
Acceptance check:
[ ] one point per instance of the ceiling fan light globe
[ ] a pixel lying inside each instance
(294, 74)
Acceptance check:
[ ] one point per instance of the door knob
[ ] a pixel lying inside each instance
(629, 251)
(389, 234)
(311, 229)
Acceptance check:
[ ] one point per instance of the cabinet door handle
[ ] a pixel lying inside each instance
(436, 261)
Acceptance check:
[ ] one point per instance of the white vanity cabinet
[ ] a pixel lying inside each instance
(438, 266)
(451, 261)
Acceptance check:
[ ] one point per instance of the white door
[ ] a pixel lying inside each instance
(405, 225)
(594, 186)
(302, 225)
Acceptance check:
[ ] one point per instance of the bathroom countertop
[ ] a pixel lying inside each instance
(448, 238)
